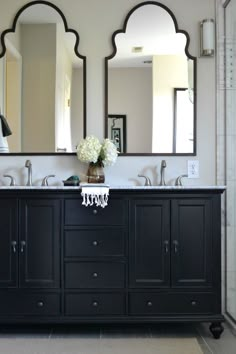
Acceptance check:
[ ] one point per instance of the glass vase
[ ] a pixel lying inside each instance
(96, 173)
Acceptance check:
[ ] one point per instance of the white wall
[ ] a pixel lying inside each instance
(130, 93)
(63, 73)
(169, 72)
(95, 22)
(13, 106)
(76, 106)
(38, 48)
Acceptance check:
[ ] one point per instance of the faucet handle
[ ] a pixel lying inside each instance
(45, 180)
(178, 181)
(147, 180)
(12, 180)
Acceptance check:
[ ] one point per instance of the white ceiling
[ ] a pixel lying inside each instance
(152, 28)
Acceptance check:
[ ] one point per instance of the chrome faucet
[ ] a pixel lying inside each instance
(147, 180)
(163, 166)
(178, 181)
(12, 180)
(28, 165)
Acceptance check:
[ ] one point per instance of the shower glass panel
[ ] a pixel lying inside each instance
(230, 105)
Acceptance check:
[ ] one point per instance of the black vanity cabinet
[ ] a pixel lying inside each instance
(149, 243)
(95, 260)
(175, 258)
(194, 243)
(149, 256)
(8, 242)
(39, 244)
(29, 246)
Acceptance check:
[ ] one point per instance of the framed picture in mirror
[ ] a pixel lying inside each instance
(117, 131)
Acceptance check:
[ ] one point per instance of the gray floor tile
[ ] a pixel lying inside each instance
(115, 339)
(125, 331)
(173, 330)
(225, 345)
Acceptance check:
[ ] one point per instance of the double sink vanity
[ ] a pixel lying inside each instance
(152, 255)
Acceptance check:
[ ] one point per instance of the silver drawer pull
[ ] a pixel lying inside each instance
(95, 275)
(166, 246)
(40, 304)
(95, 304)
(22, 246)
(149, 303)
(176, 244)
(95, 243)
(95, 211)
(193, 303)
(13, 243)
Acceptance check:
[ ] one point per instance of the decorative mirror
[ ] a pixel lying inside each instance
(42, 83)
(150, 60)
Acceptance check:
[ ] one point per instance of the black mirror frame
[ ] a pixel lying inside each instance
(67, 30)
(177, 30)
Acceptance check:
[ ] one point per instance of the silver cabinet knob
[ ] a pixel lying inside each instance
(22, 246)
(149, 303)
(40, 304)
(175, 244)
(95, 243)
(95, 275)
(13, 244)
(193, 303)
(95, 212)
(95, 304)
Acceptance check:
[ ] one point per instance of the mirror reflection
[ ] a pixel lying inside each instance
(150, 61)
(42, 88)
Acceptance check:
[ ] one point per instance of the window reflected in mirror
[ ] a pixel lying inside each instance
(42, 82)
(183, 121)
(150, 60)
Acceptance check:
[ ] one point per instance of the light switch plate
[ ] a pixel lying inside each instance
(193, 168)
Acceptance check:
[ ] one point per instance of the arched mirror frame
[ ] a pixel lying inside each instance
(67, 30)
(177, 30)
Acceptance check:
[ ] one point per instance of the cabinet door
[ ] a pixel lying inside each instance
(191, 234)
(39, 243)
(8, 243)
(149, 243)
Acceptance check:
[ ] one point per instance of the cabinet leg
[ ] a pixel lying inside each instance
(216, 329)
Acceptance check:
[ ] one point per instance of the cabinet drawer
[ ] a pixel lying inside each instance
(17, 303)
(78, 214)
(94, 304)
(180, 303)
(94, 275)
(94, 243)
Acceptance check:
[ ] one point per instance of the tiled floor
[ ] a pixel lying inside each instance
(113, 339)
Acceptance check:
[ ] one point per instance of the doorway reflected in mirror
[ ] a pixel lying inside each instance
(43, 82)
(150, 59)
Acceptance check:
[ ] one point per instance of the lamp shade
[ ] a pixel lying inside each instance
(207, 38)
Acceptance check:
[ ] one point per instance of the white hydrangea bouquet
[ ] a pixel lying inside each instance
(98, 155)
